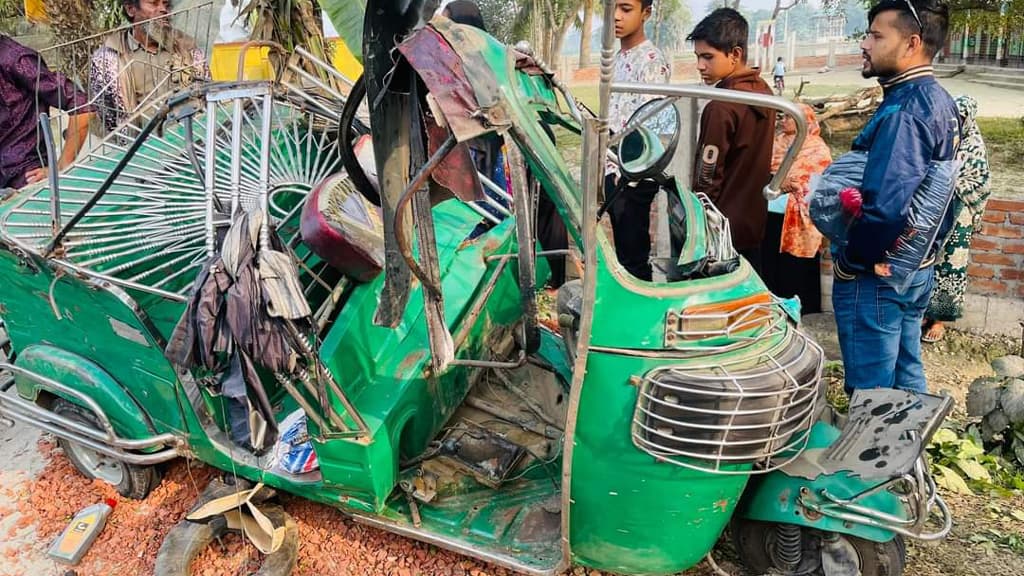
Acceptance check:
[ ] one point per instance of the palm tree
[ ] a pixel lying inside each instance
(586, 32)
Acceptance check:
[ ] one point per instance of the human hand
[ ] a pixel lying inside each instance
(851, 200)
(883, 270)
(36, 175)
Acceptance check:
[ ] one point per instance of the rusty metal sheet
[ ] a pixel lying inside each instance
(457, 173)
(443, 73)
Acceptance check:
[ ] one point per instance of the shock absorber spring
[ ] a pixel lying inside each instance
(788, 547)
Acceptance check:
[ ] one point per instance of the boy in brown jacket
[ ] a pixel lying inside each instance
(734, 153)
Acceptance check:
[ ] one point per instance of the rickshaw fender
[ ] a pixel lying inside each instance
(84, 376)
(776, 497)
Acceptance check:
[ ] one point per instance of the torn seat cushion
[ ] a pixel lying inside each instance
(344, 228)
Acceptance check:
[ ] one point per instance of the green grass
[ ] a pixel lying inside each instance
(586, 94)
(1004, 138)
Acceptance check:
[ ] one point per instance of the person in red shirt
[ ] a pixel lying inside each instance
(734, 151)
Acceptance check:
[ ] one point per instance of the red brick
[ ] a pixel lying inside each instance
(981, 271)
(1011, 274)
(1013, 246)
(998, 259)
(1002, 231)
(1017, 218)
(985, 286)
(1005, 205)
(995, 216)
(982, 243)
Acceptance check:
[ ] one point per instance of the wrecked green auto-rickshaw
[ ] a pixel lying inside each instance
(364, 275)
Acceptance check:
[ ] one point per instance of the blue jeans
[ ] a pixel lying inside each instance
(880, 331)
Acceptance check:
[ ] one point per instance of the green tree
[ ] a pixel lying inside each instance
(669, 24)
(500, 18)
(587, 30)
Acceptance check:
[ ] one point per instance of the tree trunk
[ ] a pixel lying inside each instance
(558, 39)
(587, 33)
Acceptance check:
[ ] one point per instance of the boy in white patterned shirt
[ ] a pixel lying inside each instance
(637, 61)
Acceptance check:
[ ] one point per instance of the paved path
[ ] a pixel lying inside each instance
(992, 101)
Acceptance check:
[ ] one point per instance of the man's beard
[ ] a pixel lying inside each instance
(880, 67)
(160, 32)
(867, 68)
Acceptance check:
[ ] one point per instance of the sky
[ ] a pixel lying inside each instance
(699, 7)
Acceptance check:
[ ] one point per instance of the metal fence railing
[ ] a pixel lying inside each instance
(116, 76)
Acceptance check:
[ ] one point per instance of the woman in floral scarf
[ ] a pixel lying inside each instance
(972, 192)
(791, 246)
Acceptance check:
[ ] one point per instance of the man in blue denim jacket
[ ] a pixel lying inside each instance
(916, 124)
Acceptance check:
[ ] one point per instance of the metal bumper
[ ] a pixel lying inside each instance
(142, 451)
(916, 490)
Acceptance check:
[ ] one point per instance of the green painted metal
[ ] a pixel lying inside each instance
(775, 497)
(627, 512)
(630, 513)
(95, 325)
(84, 376)
(384, 371)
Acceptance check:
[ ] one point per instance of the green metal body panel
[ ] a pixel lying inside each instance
(627, 512)
(384, 371)
(774, 497)
(83, 376)
(94, 325)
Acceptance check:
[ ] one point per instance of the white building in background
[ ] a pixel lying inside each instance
(827, 28)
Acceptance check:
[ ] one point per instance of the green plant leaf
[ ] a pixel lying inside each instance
(950, 480)
(943, 436)
(969, 450)
(347, 17)
(1017, 515)
(974, 470)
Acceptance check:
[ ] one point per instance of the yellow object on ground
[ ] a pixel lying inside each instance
(35, 11)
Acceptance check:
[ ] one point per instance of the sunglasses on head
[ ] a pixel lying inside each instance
(917, 18)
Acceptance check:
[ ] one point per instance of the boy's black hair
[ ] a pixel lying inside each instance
(934, 17)
(724, 29)
(646, 3)
(465, 12)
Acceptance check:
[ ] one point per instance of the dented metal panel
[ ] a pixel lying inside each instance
(445, 77)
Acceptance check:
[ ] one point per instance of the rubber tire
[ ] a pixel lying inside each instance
(137, 481)
(348, 128)
(188, 539)
(752, 539)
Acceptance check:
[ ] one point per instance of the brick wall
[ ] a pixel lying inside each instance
(813, 63)
(996, 268)
(997, 251)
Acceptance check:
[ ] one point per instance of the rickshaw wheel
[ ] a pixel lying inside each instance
(756, 545)
(187, 540)
(129, 480)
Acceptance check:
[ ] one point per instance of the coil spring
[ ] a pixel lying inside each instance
(788, 547)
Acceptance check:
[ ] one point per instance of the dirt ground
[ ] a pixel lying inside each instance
(39, 491)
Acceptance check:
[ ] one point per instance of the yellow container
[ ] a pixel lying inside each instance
(35, 11)
(343, 59)
(224, 62)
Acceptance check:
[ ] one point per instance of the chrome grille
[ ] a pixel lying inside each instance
(721, 417)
